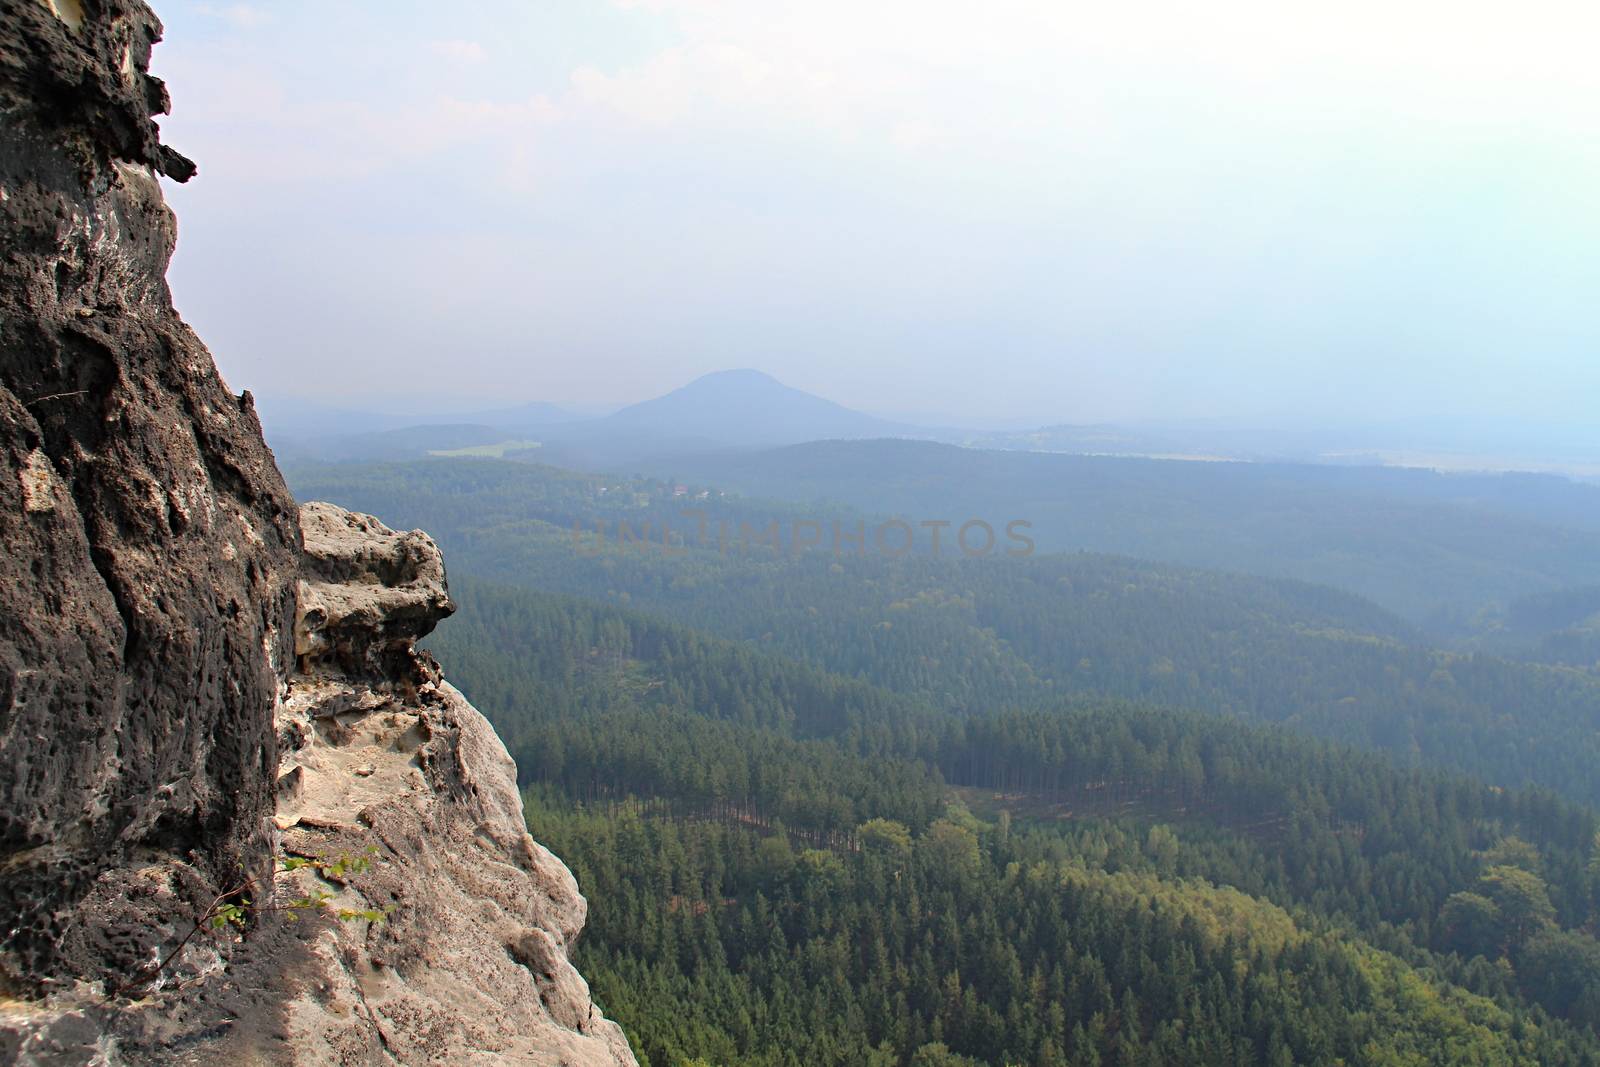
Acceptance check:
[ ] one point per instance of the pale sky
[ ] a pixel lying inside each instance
(1080, 211)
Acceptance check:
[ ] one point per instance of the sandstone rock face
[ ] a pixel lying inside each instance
(194, 697)
(148, 546)
(383, 759)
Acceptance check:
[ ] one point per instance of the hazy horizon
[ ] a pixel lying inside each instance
(1061, 214)
(1505, 445)
(434, 406)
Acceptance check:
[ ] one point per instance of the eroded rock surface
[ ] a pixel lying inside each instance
(148, 547)
(171, 726)
(384, 760)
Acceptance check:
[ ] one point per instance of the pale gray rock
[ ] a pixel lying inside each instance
(397, 768)
(188, 695)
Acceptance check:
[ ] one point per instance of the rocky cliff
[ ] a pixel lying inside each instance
(385, 763)
(197, 696)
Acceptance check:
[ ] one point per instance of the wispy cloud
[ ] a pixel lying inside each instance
(459, 51)
(1390, 190)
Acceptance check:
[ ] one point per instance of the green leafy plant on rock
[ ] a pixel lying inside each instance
(234, 906)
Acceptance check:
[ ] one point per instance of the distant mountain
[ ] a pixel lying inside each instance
(410, 442)
(734, 409)
(1096, 439)
(292, 419)
(1435, 548)
(535, 415)
(748, 408)
(300, 429)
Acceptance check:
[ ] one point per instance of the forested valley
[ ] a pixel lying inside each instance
(975, 634)
(1059, 810)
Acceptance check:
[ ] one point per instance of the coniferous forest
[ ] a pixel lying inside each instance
(828, 534)
(1069, 809)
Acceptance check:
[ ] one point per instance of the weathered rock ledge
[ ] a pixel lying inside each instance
(384, 763)
(382, 758)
